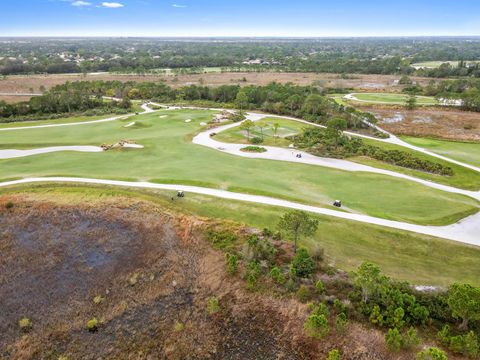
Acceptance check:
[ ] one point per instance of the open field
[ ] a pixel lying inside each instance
(462, 151)
(286, 128)
(448, 124)
(170, 157)
(405, 256)
(390, 99)
(26, 83)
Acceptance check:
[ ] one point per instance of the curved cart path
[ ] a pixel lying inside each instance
(205, 138)
(465, 231)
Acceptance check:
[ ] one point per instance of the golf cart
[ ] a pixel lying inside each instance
(337, 203)
(180, 194)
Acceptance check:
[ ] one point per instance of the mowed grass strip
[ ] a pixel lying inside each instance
(467, 152)
(394, 99)
(169, 154)
(422, 260)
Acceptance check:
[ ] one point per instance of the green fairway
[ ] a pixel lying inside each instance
(463, 177)
(420, 259)
(169, 156)
(467, 152)
(286, 128)
(392, 99)
(55, 121)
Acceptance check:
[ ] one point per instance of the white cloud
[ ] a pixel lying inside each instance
(112, 5)
(179, 6)
(81, 3)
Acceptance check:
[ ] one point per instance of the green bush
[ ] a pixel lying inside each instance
(303, 294)
(92, 325)
(223, 239)
(277, 275)
(254, 149)
(341, 322)
(25, 324)
(213, 305)
(316, 325)
(9, 205)
(393, 339)
(410, 339)
(256, 140)
(253, 272)
(334, 355)
(303, 265)
(232, 263)
(432, 354)
(319, 287)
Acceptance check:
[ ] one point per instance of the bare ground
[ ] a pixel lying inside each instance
(152, 270)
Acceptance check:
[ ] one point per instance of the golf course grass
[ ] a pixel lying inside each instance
(170, 156)
(285, 128)
(392, 99)
(467, 152)
(463, 178)
(67, 120)
(420, 259)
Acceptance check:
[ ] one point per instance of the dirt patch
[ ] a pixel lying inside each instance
(154, 276)
(448, 124)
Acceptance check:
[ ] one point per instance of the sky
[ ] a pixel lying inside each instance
(276, 18)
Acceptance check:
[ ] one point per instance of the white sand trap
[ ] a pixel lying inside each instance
(133, 146)
(13, 153)
(131, 124)
(203, 124)
(162, 116)
(188, 120)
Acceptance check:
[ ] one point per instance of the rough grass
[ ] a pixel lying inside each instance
(407, 256)
(169, 154)
(467, 152)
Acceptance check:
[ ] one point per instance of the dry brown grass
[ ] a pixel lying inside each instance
(48, 274)
(447, 124)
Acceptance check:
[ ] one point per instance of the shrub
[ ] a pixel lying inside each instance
(232, 263)
(334, 355)
(178, 327)
(253, 272)
(277, 275)
(92, 325)
(9, 205)
(410, 339)
(303, 293)
(256, 140)
(316, 325)
(222, 240)
(97, 300)
(339, 306)
(319, 287)
(341, 322)
(254, 149)
(213, 305)
(432, 354)
(303, 265)
(25, 324)
(393, 339)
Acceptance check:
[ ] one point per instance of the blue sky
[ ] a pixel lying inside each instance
(239, 18)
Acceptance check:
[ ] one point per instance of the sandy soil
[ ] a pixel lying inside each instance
(447, 123)
(152, 270)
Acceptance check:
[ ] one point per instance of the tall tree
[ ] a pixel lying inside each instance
(247, 125)
(464, 301)
(296, 224)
